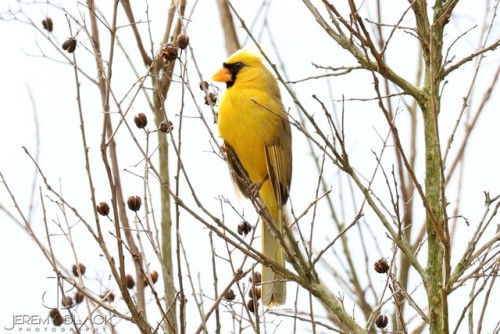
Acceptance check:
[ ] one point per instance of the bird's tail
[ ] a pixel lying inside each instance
(273, 284)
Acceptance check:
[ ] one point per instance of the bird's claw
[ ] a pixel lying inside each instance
(255, 188)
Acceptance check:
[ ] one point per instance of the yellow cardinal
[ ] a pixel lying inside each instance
(256, 133)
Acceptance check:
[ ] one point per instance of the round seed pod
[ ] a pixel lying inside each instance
(108, 296)
(252, 305)
(256, 278)
(254, 293)
(103, 209)
(67, 301)
(129, 281)
(381, 321)
(211, 99)
(170, 52)
(230, 295)
(69, 45)
(79, 297)
(56, 316)
(141, 120)
(244, 228)
(204, 85)
(48, 24)
(78, 269)
(182, 41)
(154, 276)
(166, 127)
(381, 266)
(134, 203)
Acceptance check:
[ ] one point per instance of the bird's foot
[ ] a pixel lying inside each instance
(255, 187)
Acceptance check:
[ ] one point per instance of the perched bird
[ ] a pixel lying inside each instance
(257, 140)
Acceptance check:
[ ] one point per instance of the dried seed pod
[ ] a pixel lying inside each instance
(381, 266)
(256, 278)
(154, 276)
(67, 301)
(230, 295)
(79, 297)
(141, 120)
(129, 280)
(254, 292)
(53, 313)
(108, 296)
(48, 24)
(252, 305)
(170, 52)
(166, 127)
(244, 228)
(204, 85)
(57, 318)
(211, 99)
(103, 209)
(134, 203)
(78, 269)
(69, 45)
(381, 321)
(182, 41)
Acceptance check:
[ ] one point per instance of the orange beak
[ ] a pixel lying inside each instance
(223, 75)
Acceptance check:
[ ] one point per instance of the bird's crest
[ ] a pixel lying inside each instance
(246, 55)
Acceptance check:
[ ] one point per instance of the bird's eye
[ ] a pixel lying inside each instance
(238, 66)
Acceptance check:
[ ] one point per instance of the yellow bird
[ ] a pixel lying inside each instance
(256, 131)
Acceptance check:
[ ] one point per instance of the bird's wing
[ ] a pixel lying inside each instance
(279, 162)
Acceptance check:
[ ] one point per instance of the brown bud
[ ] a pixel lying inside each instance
(108, 296)
(256, 278)
(103, 208)
(69, 45)
(78, 269)
(182, 41)
(252, 305)
(166, 127)
(244, 228)
(141, 120)
(230, 295)
(254, 292)
(134, 203)
(57, 318)
(381, 321)
(381, 266)
(78, 297)
(129, 280)
(211, 99)
(169, 52)
(67, 301)
(48, 24)
(203, 85)
(53, 313)
(154, 276)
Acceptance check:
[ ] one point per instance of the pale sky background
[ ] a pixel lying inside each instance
(300, 41)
